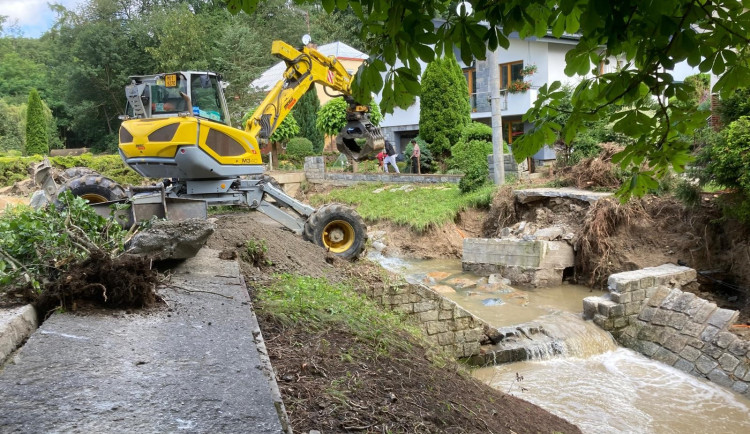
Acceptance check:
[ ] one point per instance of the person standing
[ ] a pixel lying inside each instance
(380, 157)
(390, 157)
(415, 154)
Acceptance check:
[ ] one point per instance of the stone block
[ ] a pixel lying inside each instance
(739, 347)
(725, 339)
(647, 282)
(632, 308)
(658, 296)
(704, 312)
(647, 314)
(692, 329)
(425, 306)
(671, 299)
(404, 308)
(695, 306)
(648, 333)
(741, 370)
(620, 322)
(604, 307)
(590, 307)
(728, 362)
(621, 283)
(604, 322)
(665, 356)
(646, 348)
(470, 349)
(740, 386)
(623, 298)
(705, 364)
(709, 333)
(445, 315)
(664, 335)
(473, 335)
(712, 351)
(684, 366)
(721, 378)
(690, 354)
(447, 338)
(638, 295)
(682, 304)
(430, 315)
(678, 320)
(675, 343)
(723, 318)
(661, 317)
(696, 343)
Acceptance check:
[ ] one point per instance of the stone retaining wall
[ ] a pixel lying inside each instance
(647, 311)
(445, 323)
(315, 171)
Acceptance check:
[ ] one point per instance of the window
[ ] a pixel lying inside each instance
(471, 79)
(510, 72)
(223, 145)
(512, 130)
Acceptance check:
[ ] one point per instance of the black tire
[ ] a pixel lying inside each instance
(338, 229)
(94, 188)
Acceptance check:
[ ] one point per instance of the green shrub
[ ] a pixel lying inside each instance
(369, 166)
(13, 169)
(440, 146)
(475, 177)
(728, 159)
(298, 148)
(426, 161)
(688, 192)
(467, 154)
(444, 104)
(305, 112)
(476, 131)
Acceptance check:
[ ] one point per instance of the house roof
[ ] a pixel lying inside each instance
(338, 49)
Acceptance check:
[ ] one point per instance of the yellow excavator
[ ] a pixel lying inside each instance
(177, 129)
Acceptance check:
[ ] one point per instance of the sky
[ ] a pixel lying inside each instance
(33, 17)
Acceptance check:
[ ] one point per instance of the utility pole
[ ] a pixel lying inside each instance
(498, 159)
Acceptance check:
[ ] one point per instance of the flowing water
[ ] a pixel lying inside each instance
(591, 382)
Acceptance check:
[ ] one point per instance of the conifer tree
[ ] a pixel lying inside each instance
(444, 106)
(306, 114)
(36, 126)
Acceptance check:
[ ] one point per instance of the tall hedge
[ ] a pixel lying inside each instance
(444, 106)
(36, 126)
(306, 114)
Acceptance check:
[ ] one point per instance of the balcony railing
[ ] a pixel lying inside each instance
(512, 103)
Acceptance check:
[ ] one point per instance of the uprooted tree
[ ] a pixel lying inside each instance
(647, 38)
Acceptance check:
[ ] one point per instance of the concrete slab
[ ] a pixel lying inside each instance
(16, 325)
(192, 367)
(534, 194)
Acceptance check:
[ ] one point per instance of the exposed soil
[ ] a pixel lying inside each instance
(332, 382)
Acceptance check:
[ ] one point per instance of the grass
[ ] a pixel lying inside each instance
(315, 303)
(420, 208)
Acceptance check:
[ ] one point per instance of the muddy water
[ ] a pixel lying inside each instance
(598, 386)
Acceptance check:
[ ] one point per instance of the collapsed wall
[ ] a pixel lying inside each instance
(647, 311)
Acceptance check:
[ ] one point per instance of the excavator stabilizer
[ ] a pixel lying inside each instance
(360, 139)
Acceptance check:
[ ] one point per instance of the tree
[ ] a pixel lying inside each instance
(648, 37)
(444, 107)
(36, 126)
(305, 112)
(735, 106)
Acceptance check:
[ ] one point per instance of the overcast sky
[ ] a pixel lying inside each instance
(34, 17)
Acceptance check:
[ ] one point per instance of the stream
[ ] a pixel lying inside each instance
(597, 385)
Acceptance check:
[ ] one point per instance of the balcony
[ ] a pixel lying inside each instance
(511, 104)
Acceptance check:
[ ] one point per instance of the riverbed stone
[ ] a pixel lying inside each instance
(723, 318)
(728, 362)
(443, 289)
(740, 386)
(548, 234)
(705, 364)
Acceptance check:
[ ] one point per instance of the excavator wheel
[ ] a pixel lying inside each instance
(337, 228)
(94, 188)
(76, 172)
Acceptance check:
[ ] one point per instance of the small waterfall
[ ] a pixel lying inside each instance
(557, 335)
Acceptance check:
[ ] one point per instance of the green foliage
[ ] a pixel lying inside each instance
(475, 177)
(13, 169)
(735, 105)
(440, 146)
(729, 157)
(688, 192)
(12, 128)
(34, 241)
(332, 117)
(444, 105)
(36, 126)
(707, 35)
(476, 131)
(298, 148)
(316, 303)
(465, 155)
(287, 129)
(256, 253)
(305, 112)
(420, 209)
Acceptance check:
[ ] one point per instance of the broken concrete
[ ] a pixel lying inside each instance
(16, 325)
(170, 239)
(526, 262)
(534, 194)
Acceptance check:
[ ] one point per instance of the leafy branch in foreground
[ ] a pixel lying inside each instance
(37, 245)
(645, 40)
